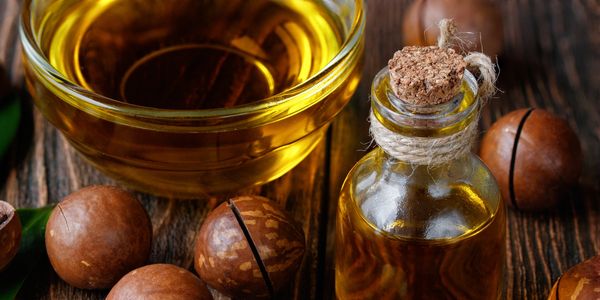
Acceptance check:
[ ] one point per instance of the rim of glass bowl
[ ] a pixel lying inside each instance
(114, 107)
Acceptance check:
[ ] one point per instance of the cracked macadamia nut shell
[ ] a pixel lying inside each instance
(224, 256)
(534, 155)
(159, 282)
(582, 282)
(10, 234)
(96, 235)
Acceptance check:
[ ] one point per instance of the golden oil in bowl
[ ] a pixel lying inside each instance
(192, 97)
(190, 55)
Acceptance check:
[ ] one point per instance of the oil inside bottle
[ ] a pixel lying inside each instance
(190, 54)
(410, 238)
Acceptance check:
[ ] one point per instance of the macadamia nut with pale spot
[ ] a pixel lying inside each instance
(581, 282)
(159, 282)
(249, 248)
(96, 235)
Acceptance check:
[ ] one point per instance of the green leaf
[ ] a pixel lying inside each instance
(9, 121)
(31, 249)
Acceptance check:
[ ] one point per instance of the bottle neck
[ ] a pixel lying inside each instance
(424, 135)
(424, 121)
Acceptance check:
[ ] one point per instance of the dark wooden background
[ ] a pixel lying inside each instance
(551, 60)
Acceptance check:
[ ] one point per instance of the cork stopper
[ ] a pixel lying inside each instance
(426, 76)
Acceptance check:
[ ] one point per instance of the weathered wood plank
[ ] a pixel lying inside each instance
(551, 60)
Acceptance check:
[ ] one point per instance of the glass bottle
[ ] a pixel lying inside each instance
(420, 231)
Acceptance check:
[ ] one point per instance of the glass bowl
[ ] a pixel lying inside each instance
(193, 152)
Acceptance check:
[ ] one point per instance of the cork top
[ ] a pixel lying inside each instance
(426, 76)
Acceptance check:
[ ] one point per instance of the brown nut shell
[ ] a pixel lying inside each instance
(535, 157)
(479, 23)
(96, 235)
(223, 257)
(10, 234)
(581, 282)
(249, 248)
(159, 282)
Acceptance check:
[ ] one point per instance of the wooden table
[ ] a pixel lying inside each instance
(551, 60)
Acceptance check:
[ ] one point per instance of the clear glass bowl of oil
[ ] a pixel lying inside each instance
(188, 98)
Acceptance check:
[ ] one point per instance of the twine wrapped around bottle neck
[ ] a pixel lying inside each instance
(439, 80)
(423, 150)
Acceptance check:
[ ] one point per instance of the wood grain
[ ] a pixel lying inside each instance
(551, 60)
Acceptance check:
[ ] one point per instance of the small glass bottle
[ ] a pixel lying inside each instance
(409, 230)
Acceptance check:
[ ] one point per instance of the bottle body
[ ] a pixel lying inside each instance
(419, 232)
